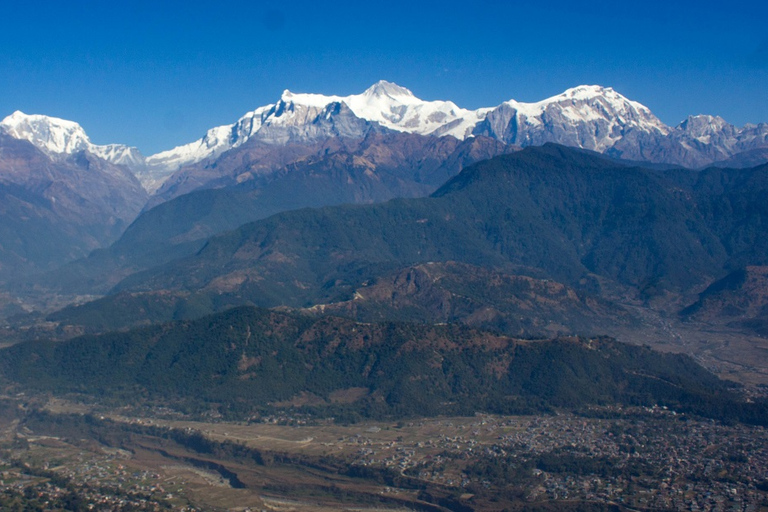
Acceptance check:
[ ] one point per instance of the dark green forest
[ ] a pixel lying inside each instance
(248, 359)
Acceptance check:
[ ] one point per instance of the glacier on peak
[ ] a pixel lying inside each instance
(55, 136)
(390, 89)
(388, 104)
(588, 116)
(51, 134)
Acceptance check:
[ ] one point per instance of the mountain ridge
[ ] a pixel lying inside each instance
(379, 167)
(56, 137)
(587, 116)
(251, 359)
(571, 213)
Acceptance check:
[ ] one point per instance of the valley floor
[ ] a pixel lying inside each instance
(732, 354)
(600, 459)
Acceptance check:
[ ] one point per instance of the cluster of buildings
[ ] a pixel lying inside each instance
(651, 458)
(93, 483)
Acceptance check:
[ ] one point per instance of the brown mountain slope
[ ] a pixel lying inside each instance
(255, 181)
(420, 160)
(53, 210)
(456, 292)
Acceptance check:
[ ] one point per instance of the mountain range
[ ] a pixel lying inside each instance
(589, 117)
(307, 135)
(568, 213)
(546, 240)
(82, 219)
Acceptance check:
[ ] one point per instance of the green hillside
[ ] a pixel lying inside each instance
(572, 216)
(247, 359)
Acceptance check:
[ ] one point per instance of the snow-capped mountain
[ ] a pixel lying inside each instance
(716, 132)
(56, 136)
(215, 142)
(305, 117)
(51, 134)
(589, 116)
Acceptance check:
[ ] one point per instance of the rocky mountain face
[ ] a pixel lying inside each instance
(425, 160)
(58, 208)
(697, 142)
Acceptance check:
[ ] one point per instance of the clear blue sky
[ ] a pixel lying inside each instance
(158, 74)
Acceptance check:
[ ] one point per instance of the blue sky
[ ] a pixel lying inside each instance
(158, 74)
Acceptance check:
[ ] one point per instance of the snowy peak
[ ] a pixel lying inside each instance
(587, 116)
(586, 92)
(215, 142)
(382, 88)
(702, 125)
(50, 134)
(56, 136)
(294, 114)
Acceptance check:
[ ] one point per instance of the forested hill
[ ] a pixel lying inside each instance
(248, 358)
(572, 215)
